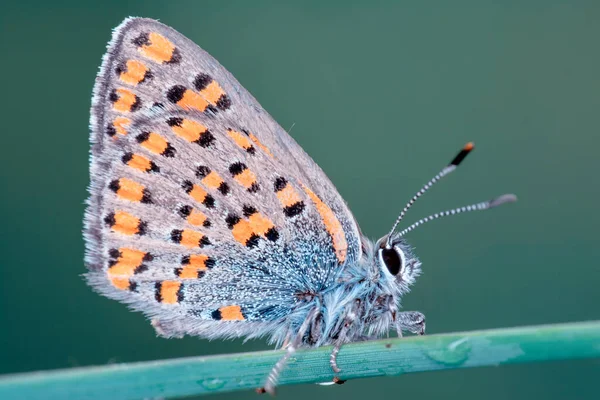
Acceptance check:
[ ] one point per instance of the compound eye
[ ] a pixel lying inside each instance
(392, 259)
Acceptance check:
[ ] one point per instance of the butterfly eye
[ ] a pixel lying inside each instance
(393, 259)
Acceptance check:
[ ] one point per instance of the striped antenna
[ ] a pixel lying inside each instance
(445, 171)
(506, 198)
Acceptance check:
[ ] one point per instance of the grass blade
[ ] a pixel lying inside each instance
(390, 357)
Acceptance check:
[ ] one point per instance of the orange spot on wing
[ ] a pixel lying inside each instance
(288, 196)
(197, 262)
(256, 225)
(212, 180)
(160, 49)
(196, 218)
(259, 144)
(198, 194)
(189, 130)
(190, 238)
(212, 92)
(246, 178)
(126, 223)
(242, 231)
(155, 143)
(260, 224)
(332, 224)
(188, 272)
(231, 313)
(120, 283)
(136, 71)
(168, 291)
(140, 163)
(130, 190)
(239, 139)
(128, 261)
(192, 100)
(125, 101)
(119, 123)
(131, 255)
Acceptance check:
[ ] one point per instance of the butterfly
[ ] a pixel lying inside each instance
(205, 215)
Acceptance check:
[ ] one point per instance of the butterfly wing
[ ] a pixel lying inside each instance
(202, 207)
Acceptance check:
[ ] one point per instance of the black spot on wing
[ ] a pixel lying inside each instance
(110, 130)
(142, 40)
(209, 201)
(232, 220)
(202, 171)
(137, 104)
(210, 262)
(237, 168)
(176, 235)
(249, 210)
(141, 268)
(142, 228)
(294, 209)
(206, 139)
(187, 185)
(254, 188)
(272, 234)
(114, 185)
(175, 121)
(253, 241)
(184, 211)
(280, 184)
(175, 57)
(224, 102)
(223, 188)
(175, 93)
(110, 220)
(202, 81)
(146, 197)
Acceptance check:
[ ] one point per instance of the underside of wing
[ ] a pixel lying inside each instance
(202, 208)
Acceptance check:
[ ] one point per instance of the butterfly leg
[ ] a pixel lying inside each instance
(343, 335)
(412, 321)
(315, 332)
(333, 358)
(286, 342)
(291, 349)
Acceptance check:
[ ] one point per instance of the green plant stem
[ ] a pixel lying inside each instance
(390, 357)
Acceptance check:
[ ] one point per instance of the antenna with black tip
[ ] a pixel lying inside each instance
(507, 198)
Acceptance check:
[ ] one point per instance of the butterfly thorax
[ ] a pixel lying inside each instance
(360, 303)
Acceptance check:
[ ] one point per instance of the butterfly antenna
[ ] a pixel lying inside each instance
(505, 198)
(445, 171)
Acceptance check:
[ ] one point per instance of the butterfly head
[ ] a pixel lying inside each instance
(397, 262)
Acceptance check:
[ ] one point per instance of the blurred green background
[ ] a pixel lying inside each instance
(382, 94)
